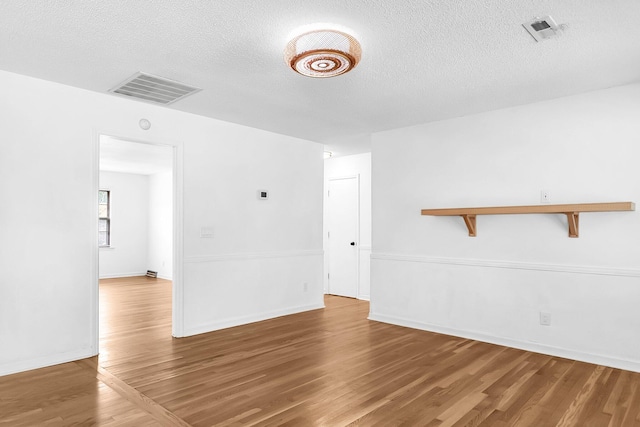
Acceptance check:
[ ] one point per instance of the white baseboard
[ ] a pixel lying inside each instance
(43, 362)
(360, 297)
(243, 320)
(628, 365)
(116, 276)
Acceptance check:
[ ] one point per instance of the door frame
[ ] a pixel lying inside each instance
(177, 297)
(339, 178)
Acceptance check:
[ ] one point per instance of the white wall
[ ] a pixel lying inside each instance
(254, 267)
(160, 225)
(426, 271)
(263, 250)
(127, 255)
(339, 167)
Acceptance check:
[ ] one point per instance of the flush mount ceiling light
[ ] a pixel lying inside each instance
(322, 50)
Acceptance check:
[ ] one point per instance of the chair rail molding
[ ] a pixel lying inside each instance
(514, 265)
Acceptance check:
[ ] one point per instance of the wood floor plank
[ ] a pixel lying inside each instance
(64, 395)
(330, 367)
(572, 416)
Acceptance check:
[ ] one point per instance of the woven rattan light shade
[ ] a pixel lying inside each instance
(323, 53)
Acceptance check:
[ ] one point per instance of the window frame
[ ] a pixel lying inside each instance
(107, 219)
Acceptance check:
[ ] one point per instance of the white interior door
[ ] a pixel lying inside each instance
(343, 236)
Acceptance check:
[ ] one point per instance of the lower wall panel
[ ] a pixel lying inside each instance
(594, 316)
(230, 290)
(44, 361)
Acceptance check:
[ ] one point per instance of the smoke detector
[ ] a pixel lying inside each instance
(542, 28)
(154, 89)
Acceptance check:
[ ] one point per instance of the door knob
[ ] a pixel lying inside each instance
(352, 243)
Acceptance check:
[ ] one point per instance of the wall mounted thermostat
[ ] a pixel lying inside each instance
(263, 194)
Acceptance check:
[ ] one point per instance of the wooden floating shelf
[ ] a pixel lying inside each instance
(572, 211)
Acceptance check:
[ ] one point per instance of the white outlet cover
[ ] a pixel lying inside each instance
(206, 232)
(545, 196)
(545, 319)
(262, 194)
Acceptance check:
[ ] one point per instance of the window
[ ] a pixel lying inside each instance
(104, 218)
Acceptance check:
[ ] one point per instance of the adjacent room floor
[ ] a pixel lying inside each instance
(330, 367)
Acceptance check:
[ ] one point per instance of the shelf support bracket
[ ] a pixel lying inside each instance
(574, 222)
(470, 222)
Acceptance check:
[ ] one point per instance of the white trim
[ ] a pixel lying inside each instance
(363, 249)
(177, 298)
(44, 361)
(514, 265)
(629, 365)
(94, 296)
(243, 320)
(117, 275)
(250, 256)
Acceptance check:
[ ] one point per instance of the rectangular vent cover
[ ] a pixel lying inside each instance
(149, 88)
(542, 28)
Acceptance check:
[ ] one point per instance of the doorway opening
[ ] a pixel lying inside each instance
(137, 197)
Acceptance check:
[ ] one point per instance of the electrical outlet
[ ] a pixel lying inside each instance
(305, 286)
(545, 319)
(545, 196)
(206, 232)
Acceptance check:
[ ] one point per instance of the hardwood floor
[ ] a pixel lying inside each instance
(328, 367)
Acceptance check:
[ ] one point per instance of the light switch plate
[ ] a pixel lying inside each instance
(206, 232)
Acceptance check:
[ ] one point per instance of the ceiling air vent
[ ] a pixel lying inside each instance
(149, 88)
(542, 28)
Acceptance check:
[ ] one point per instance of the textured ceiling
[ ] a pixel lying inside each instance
(423, 60)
